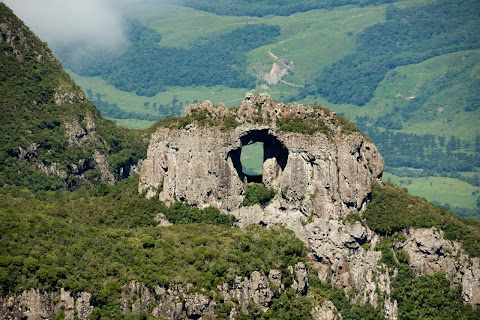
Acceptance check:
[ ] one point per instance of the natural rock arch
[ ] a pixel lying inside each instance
(275, 156)
(318, 165)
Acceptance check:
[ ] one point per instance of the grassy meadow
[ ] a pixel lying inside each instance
(252, 158)
(440, 190)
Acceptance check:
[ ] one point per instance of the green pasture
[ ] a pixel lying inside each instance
(311, 40)
(179, 26)
(133, 123)
(442, 190)
(252, 158)
(443, 112)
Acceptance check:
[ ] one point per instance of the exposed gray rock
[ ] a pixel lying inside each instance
(82, 305)
(326, 311)
(244, 290)
(319, 179)
(178, 302)
(430, 252)
(300, 282)
(299, 166)
(198, 305)
(33, 304)
(162, 220)
(102, 166)
(65, 95)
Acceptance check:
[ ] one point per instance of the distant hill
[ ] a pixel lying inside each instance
(103, 250)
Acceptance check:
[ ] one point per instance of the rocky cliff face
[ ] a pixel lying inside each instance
(319, 176)
(33, 304)
(173, 302)
(430, 252)
(326, 173)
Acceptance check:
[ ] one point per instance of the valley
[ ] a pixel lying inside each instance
(436, 96)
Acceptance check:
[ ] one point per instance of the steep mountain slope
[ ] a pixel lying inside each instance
(51, 136)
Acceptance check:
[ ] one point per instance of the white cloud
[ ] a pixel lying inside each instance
(94, 23)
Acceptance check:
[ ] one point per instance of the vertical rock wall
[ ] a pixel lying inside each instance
(325, 174)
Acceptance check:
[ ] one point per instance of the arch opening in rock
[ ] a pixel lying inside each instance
(275, 157)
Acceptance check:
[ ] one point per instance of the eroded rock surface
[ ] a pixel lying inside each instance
(319, 176)
(430, 252)
(34, 304)
(326, 173)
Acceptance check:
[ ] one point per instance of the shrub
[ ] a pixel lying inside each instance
(257, 193)
(392, 210)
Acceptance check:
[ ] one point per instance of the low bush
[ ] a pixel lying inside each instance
(257, 193)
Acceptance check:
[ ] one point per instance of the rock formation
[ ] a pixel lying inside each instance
(33, 304)
(326, 173)
(429, 253)
(321, 170)
(175, 302)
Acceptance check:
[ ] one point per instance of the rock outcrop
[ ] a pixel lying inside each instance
(176, 301)
(430, 252)
(327, 173)
(319, 177)
(179, 302)
(321, 170)
(33, 304)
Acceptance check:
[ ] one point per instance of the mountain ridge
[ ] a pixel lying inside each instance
(50, 131)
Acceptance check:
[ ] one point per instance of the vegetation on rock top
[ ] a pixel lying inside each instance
(257, 193)
(392, 210)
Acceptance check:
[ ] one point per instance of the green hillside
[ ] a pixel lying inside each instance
(77, 233)
(49, 133)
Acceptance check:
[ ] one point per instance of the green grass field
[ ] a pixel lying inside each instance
(311, 40)
(252, 158)
(443, 112)
(441, 190)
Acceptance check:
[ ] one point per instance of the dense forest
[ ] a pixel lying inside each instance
(408, 36)
(99, 238)
(146, 68)
(266, 7)
(433, 154)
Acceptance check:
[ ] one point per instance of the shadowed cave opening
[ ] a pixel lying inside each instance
(272, 148)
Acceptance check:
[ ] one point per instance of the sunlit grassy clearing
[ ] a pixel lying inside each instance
(252, 158)
(441, 190)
